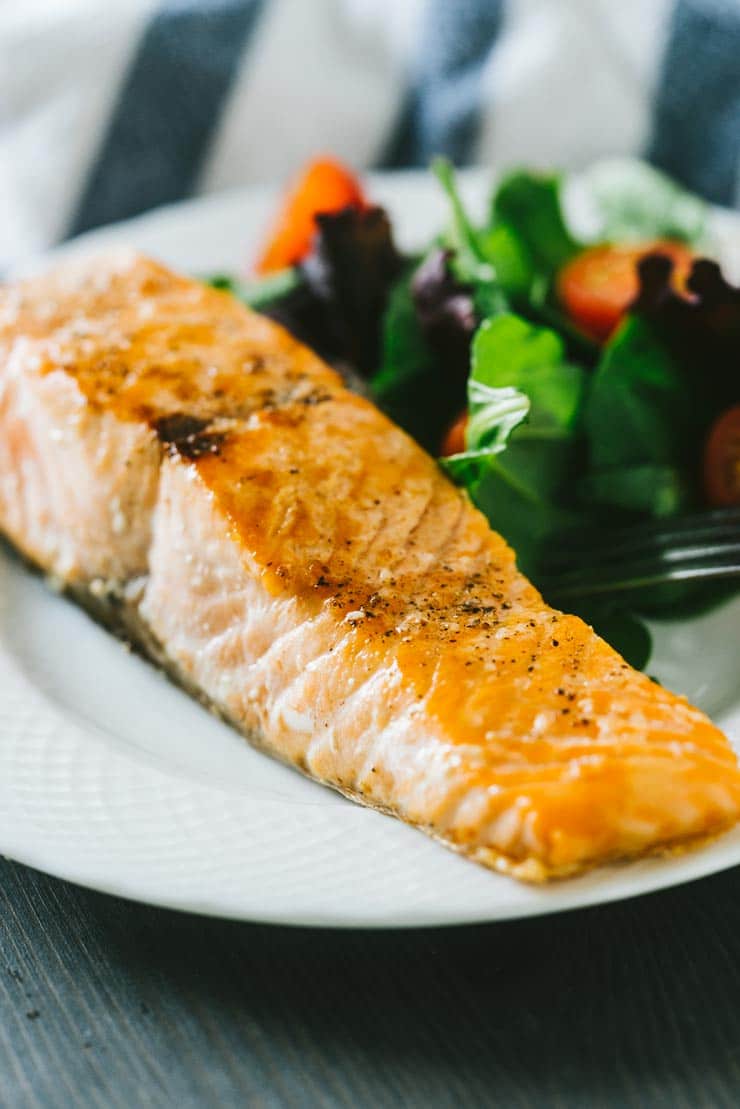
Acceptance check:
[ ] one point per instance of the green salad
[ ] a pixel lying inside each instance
(569, 381)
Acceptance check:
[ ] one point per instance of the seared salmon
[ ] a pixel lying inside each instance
(207, 485)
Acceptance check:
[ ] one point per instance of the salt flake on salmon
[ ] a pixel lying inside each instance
(208, 487)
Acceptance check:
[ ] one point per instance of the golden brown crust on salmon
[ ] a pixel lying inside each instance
(297, 560)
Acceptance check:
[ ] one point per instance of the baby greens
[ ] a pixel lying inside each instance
(632, 201)
(562, 433)
(413, 384)
(524, 401)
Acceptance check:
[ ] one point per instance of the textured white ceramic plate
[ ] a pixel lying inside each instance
(111, 777)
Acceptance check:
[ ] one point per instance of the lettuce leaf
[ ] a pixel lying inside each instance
(461, 237)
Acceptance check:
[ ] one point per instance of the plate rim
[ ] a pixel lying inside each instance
(691, 867)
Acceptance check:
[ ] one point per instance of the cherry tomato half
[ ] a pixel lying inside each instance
(454, 438)
(598, 285)
(722, 460)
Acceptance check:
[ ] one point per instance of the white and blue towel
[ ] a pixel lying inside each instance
(111, 107)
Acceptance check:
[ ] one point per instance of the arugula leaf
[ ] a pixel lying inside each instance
(474, 257)
(462, 236)
(529, 204)
(524, 402)
(631, 200)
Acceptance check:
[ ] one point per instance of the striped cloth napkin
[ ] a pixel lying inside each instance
(107, 110)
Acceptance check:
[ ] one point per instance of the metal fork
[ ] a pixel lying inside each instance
(703, 546)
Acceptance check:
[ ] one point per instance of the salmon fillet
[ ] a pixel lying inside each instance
(208, 485)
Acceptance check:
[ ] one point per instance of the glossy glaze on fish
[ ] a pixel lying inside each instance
(293, 557)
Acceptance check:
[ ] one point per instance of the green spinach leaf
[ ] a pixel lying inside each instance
(529, 204)
(412, 385)
(638, 420)
(524, 402)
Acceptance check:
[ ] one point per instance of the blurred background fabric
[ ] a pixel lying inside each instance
(108, 109)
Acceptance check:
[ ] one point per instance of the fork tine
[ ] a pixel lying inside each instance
(599, 580)
(724, 518)
(621, 556)
(643, 539)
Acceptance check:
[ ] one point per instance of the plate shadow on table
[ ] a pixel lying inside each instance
(105, 1002)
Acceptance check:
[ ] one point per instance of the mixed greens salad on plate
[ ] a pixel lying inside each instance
(571, 378)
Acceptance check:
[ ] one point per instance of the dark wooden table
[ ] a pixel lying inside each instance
(108, 1003)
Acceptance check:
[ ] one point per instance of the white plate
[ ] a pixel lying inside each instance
(111, 777)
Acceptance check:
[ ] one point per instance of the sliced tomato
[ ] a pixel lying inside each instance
(324, 185)
(454, 438)
(722, 460)
(598, 285)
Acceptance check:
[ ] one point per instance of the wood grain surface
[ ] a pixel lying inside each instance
(108, 1003)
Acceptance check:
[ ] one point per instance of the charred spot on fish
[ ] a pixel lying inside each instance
(199, 445)
(315, 397)
(473, 606)
(267, 399)
(179, 427)
(188, 436)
